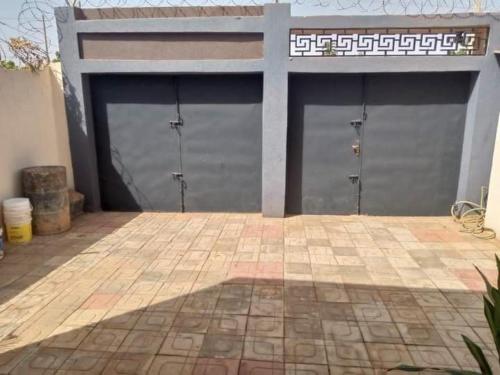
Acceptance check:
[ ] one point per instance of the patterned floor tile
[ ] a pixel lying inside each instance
(372, 313)
(341, 370)
(214, 366)
(261, 368)
(172, 365)
(67, 337)
(265, 327)
(303, 328)
(305, 351)
(87, 362)
(452, 336)
(337, 330)
(337, 311)
(388, 355)
(432, 356)
(347, 354)
(228, 325)
(182, 344)
(222, 346)
(104, 340)
(191, 323)
(203, 293)
(305, 369)
(420, 334)
(142, 342)
(43, 361)
(380, 332)
(269, 349)
(120, 319)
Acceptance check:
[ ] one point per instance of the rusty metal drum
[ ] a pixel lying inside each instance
(47, 189)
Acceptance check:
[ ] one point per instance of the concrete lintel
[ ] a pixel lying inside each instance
(380, 21)
(173, 25)
(171, 66)
(393, 64)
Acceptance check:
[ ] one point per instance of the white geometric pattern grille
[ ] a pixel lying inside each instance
(426, 43)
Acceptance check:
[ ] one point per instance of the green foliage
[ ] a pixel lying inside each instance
(492, 312)
(329, 49)
(8, 64)
(460, 52)
(478, 355)
(57, 58)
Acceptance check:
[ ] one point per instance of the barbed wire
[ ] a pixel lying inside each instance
(36, 17)
(379, 6)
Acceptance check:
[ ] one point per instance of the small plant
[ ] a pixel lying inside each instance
(492, 313)
(460, 52)
(8, 64)
(57, 58)
(329, 49)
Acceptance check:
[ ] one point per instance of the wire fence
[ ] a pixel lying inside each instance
(36, 21)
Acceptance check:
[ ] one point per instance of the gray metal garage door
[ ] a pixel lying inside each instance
(387, 144)
(172, 143)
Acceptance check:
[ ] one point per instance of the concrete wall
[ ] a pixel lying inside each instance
(493, 208)
(33, 129)
(276, 66)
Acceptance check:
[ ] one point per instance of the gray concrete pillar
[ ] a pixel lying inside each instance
(78, 112)
(275, 108)
(481, 123)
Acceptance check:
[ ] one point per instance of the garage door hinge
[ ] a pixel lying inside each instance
(354, 178)
(177, 176)
(176, 123)
(356, 123)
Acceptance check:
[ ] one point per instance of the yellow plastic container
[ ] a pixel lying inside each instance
(19, 233)
(17, 218)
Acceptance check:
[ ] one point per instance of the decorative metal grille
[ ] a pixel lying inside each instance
(468, 41)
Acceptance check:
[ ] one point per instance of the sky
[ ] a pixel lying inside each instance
(9, 10)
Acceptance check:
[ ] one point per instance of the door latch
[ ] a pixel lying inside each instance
(356, 148)
(356, 123)
(354, 178)
(174, 124)
(179, 177)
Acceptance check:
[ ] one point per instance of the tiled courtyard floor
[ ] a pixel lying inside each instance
(222, 294)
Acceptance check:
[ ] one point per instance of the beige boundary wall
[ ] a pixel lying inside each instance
(493, 209)
(33, 128)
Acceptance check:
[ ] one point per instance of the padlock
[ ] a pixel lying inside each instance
(356, 149)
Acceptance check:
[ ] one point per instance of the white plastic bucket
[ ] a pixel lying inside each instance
(17, 205)
(17, 217)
